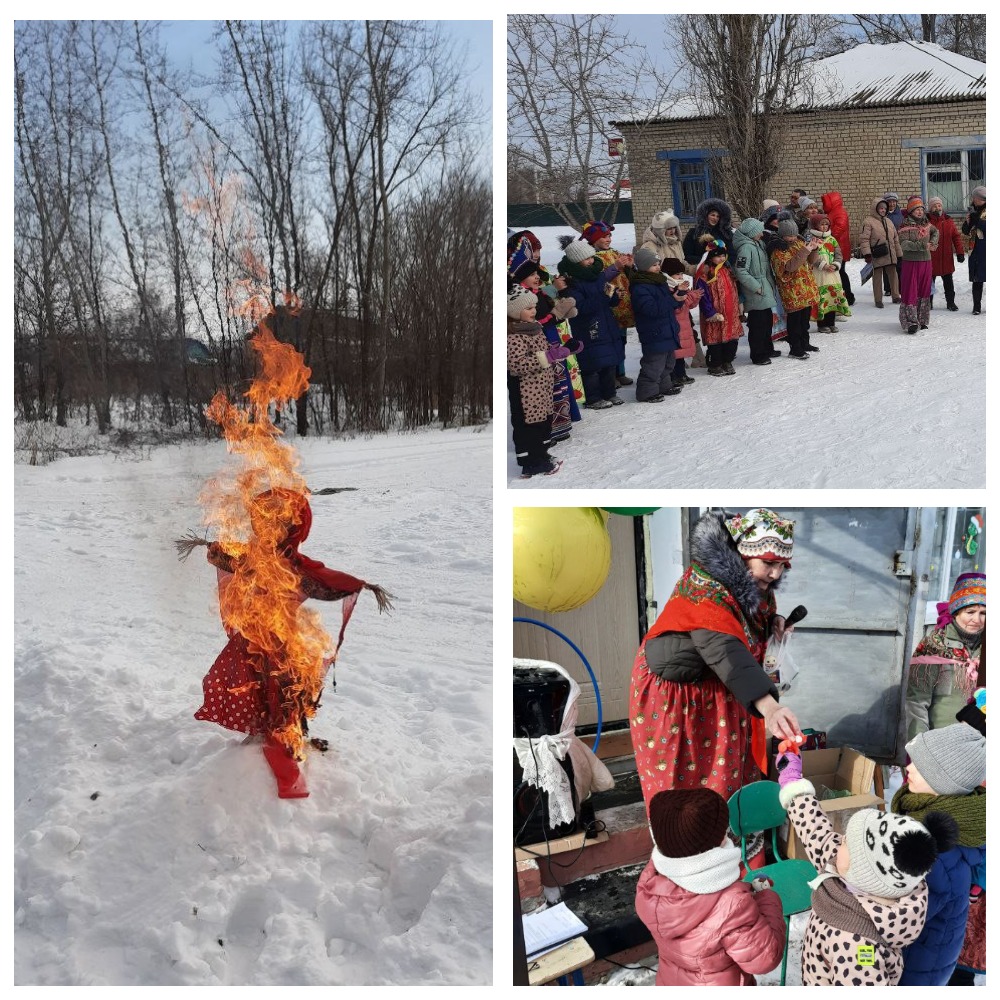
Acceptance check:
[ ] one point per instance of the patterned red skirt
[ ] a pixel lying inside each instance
(688, 735)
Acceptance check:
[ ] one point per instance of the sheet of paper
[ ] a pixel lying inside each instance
(549, 928)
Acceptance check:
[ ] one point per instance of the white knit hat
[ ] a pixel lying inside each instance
(578, 250)
(520, 298)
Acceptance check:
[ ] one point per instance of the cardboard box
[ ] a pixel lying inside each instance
(839, 768)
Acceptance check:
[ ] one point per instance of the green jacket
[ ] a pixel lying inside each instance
(942, 679)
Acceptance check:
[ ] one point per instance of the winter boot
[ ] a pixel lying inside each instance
(291, 780)
(617, 400)
(912, 328)
(622, 380)
(599, 404)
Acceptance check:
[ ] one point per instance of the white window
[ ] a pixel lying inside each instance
(951, 174)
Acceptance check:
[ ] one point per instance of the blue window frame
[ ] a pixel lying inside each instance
(692, 178)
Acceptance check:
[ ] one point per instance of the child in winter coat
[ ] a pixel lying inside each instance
(530, 382)
(946, 771)
(949, 248)
(710, 928)
(840, 226)
(598, 235)
(676, 272)
(655, 305)
(663, 237)
(753, 271)
(590, 284)
(870, 899)
(720, 324)
(791, 263)
(826, 270)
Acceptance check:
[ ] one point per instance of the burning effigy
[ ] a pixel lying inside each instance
(268, 680)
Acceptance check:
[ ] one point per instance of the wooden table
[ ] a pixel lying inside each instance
(566, 960)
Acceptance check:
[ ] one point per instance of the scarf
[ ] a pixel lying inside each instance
(968, 811)
(575, 270)
(699, 601)
(933, 652)
(971, 640)
(705, 873)
(649, 278)
(522, 327)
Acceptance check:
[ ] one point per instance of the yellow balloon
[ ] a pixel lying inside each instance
(562, 556)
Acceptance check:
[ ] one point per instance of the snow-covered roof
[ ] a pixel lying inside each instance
(872, 75)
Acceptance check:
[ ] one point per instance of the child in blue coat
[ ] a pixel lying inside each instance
(654, 304)
(946, 772)
(595, 324)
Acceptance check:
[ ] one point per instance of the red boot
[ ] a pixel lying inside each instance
(291, 780)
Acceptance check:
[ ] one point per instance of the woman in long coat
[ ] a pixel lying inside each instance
(880, 248)
(949, 246)
(974, 230)
(700, 698)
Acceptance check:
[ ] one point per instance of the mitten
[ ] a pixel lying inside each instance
(575, 346)
(761, 882)
(868, 258)
(961, 258)
(789, 767)
(563, 307)
(557, 352)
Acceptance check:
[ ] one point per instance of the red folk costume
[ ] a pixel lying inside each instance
(720, 295)
(246, 690)
(690, 721)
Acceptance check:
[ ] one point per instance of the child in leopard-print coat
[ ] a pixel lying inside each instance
(530, 381)
(869, 899)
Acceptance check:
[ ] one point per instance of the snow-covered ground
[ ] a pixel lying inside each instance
(150, 848)
(875, 408)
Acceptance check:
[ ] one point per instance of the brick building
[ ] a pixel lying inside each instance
(906, 117)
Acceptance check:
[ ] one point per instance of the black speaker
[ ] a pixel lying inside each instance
(540, 697)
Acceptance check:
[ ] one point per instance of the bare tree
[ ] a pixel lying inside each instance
(765, 73)
(962, 33)
(567, 78)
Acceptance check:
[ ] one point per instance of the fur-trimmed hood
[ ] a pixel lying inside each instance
(713, 549)
(717, 205)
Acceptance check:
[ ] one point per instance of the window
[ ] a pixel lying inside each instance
(959, 546)
(693, 178)
(951, 174)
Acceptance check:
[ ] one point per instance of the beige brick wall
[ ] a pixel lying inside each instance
(857, 152)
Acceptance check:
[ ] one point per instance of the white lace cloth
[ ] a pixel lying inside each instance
(548, 774)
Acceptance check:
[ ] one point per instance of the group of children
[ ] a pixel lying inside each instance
(890, 900)
(566, 333)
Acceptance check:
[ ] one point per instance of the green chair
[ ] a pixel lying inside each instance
(755, 808)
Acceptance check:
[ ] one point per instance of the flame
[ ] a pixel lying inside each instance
(253, 506)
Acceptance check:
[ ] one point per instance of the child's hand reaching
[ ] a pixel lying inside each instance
(789, 766)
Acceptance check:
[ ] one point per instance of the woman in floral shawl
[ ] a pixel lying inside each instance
(700, 699)
(945, 667)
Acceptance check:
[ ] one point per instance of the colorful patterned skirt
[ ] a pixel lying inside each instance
(688, 735)
(832, 299)
(779, 326)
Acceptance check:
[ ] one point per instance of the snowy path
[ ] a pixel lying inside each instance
(875, 408)
(186, 868)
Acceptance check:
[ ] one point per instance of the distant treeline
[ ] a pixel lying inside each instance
(331, 163)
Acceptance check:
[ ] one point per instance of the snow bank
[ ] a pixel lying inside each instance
(150, 848)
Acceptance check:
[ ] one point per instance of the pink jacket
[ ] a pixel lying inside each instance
(715, 939)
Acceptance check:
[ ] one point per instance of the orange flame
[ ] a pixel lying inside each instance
(253, 506)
